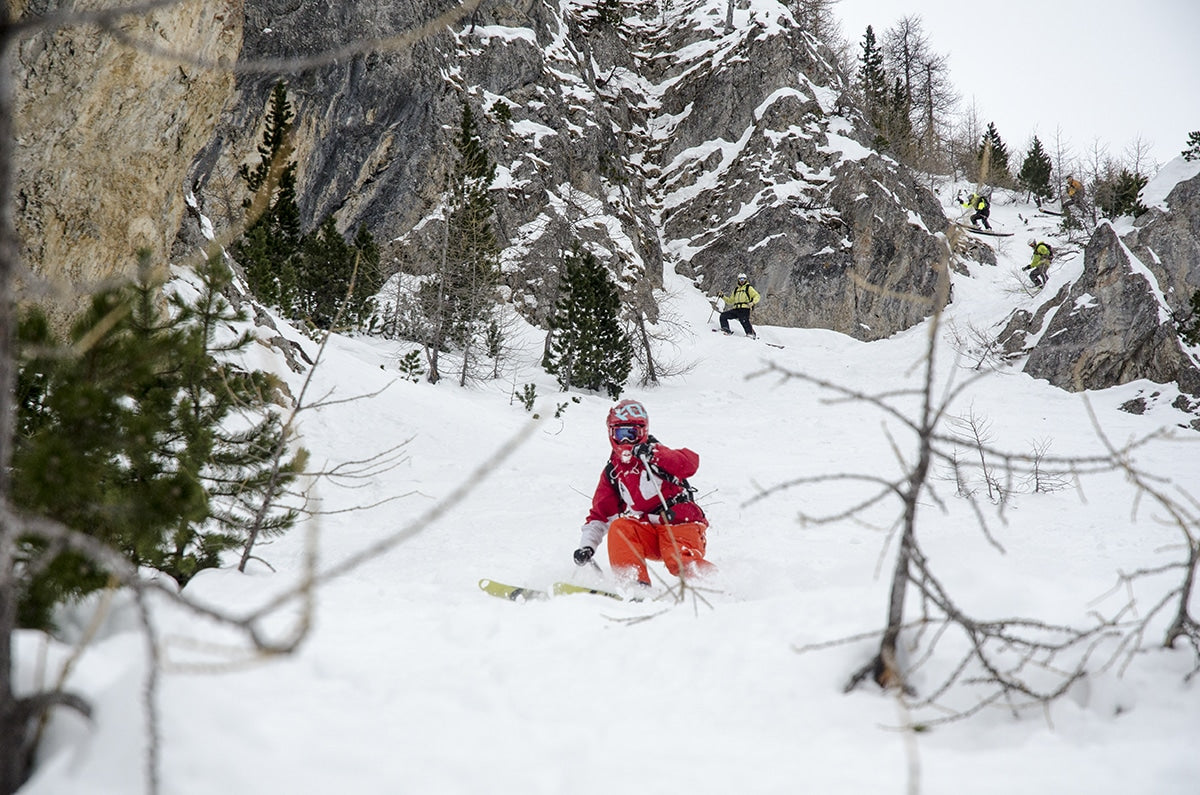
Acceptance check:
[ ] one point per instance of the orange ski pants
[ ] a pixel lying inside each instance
(680, 546)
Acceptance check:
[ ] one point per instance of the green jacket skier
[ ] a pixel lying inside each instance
(979, 203)
(738, 305)
(1037, 267)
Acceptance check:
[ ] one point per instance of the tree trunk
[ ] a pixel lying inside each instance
(651, 372)
(12, 730)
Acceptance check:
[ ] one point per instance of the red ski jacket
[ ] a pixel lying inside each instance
(628, 488)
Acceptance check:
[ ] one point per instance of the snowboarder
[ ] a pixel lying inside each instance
(644, 503)
(1037, 267)
(1074, 191)
(738, 305)
(979, 203)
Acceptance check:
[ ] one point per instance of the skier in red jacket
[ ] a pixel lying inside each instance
(644, 503)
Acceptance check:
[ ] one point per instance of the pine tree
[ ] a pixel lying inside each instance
(1192, 150)
(326, 267)
(992, 156)
(897, 121)
(588, 349)
(122, 434)
(1035, 171)
(1119, 193)
(459, 296)
(872, 82)
(271, 243)
(243, 464)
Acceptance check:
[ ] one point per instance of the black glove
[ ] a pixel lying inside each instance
(644, 450)
(583, 555)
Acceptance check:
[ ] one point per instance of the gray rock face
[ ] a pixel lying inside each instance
(105, 138)
(650, 141)
(660, 139)
(1168, 243)
(764, 169)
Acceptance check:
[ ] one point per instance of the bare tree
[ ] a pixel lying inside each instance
(905, 44)
(936, 101)
(964, 145)
(651, 340)
(816, 17)
(1139, 155)
(925, 94)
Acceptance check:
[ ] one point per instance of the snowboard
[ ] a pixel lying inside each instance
(516, 593)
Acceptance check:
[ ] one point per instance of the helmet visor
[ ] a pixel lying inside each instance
(627, 434)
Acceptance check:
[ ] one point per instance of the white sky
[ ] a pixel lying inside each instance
(1097, 70)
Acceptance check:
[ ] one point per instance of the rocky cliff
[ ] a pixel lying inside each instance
(107, 134)
(659, 138)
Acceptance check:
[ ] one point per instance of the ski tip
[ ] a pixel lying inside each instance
(561, 588)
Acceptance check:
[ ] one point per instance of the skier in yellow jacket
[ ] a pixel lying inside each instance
(738, 305)
(1037, 267)
(980, 205)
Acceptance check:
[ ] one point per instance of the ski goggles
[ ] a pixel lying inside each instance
(626, 434)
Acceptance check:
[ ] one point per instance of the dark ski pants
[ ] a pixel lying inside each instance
(741, 315)
(981, 216)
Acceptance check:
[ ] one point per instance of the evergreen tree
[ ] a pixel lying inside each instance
(327, 265)
(271, 242)
(121, 434)
(587, 347)
(1119, 193)
(608, 12)
(459, 296)
(992, 157)
(897, 122)
(236, 442)
(1192, 151)
(1035, 171)
(872, 82)
(306, 276)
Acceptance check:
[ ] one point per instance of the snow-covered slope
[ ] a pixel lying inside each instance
(413, 680)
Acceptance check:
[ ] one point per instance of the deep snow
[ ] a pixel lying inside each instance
(413, 680)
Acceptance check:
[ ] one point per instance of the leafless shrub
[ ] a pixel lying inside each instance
(981, 346)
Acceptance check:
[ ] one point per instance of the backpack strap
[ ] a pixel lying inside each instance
(610, 472)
